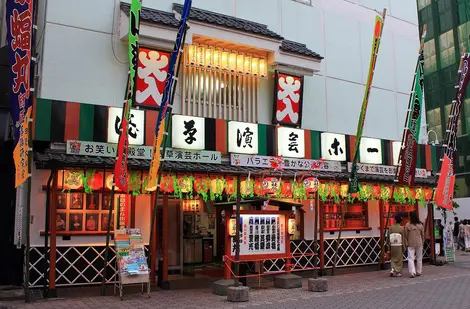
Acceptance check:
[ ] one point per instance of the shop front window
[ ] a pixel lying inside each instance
(433, 118)
(447, 48)
(355, 216)
(447, 112)
(423, 3)
(223, 84)
(430, 64)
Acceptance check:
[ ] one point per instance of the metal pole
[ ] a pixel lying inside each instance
(315, 238)
(237, 235)
(106, 252)
(30, 151)
(163, 153)
(335, 259)
(46, 235)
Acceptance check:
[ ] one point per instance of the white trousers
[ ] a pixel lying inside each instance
(415, 252)
(467, 242)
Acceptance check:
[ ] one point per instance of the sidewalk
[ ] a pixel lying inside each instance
(348, 286)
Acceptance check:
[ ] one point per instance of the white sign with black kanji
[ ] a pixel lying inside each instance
(187, 132)
(370, 151)
(136, 126)
(242, 137)
(333, 146)
(290, 142)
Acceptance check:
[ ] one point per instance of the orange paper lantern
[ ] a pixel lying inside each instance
(270, 185)
(230, 187)
(428, 194)
(259, 187)
(311, 184)
(376, 190)
(286, 189)
(166, 184)
(96, 182)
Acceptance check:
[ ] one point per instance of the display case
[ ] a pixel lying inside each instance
(355, 216)
(396, 208)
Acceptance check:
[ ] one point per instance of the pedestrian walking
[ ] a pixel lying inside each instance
(462, 234)
(467, 235)
(456, 232)
(414, 241)
(397, 246)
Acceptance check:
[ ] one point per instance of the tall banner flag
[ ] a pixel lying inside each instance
(378, 28)
(445, 184)
(120, 168)
(19, 20)
(167, 95)
(408, 155)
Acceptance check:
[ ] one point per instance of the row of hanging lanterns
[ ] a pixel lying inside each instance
(225, 60)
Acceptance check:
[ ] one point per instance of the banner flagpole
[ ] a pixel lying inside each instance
(353, 185)
(120, 177)
(445, 185)
(409, 139)
(164, 115)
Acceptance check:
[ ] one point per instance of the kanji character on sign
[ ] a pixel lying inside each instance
(132, 131)
(336, 147)
(245, 138)
(21, 71)
(289, 94)
(293, 144)
(190, 131)
(20, 28)
(99, 149)
(152, 73)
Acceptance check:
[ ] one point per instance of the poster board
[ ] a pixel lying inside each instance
(132, 267)
(263, 234)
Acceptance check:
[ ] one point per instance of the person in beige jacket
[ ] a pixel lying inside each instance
(414, 241)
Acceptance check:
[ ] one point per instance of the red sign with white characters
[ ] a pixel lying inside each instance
(288, 100)
(151, 75)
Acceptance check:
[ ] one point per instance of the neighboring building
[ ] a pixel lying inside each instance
(258, 67)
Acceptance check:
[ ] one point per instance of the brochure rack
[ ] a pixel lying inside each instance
(132, 267)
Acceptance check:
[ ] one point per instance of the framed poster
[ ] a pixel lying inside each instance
(261, 234)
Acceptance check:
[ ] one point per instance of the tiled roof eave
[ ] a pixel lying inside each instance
(50, 160)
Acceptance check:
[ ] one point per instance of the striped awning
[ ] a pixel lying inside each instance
(59, 121)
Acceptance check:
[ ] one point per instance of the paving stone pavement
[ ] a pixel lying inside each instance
(439, 287)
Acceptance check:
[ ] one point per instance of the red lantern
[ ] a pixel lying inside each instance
(230, 187)
(202, 184)
(166, 184)
(286, 189)
(334, 188)
(96, 182)
(311, 184)
(259, 191)
(270, 185)
(377, 192)
(428, 194)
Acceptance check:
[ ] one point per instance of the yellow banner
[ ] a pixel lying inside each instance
(21, 151)
(155, 163)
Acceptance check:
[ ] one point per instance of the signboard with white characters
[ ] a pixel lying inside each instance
(290, 142)
(287, 163)
(384, 170)
(242, 137)
(261, 234)
(136, 126)
(370, 151)
(187, 132)
(396, 152)
(95, 149)
(333, 146)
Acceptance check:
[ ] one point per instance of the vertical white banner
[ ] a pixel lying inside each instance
(20, 220)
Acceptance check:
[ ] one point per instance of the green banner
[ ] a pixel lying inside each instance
(134, 25)
(414, 119)
(353, 184)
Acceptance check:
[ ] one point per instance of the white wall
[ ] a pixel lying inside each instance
(79, 63)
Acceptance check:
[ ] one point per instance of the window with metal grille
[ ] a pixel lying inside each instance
(218, 94)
